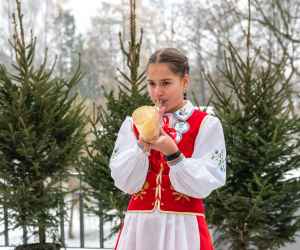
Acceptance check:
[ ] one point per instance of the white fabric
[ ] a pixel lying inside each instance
(197, 177)
(159, 231)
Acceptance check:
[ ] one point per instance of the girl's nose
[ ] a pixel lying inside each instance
(158, 91)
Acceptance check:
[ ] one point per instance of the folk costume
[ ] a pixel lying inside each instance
(166, 210)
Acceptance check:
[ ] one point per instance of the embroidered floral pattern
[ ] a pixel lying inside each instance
(141, 192)
(181, 127)
(183, 112)
(179, 195)
(219, 157)
(115, 153)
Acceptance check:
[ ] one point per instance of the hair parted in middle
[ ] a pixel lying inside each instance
(176, 60)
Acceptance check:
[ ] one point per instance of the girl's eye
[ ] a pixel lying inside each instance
(151, 83)
(166, 83)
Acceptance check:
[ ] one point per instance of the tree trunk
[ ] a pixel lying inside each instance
(42, 229)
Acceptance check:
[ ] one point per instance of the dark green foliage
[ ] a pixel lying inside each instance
(256, 208)
(95, 167)
(41, 136)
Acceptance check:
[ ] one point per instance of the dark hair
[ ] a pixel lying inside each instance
(176, 60)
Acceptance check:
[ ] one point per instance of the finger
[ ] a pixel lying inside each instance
(142, 142)
(152, 144)
(161, 112)
(162, 132)
(157, 111)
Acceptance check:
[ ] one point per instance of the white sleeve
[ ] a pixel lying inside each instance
(129, 164)
(205, 171)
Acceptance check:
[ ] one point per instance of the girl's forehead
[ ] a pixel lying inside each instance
(159, 71)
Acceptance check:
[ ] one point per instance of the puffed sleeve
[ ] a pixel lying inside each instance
(205, 171)
(128, 163)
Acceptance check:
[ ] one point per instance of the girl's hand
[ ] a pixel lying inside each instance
(160, 114)
(163, 144)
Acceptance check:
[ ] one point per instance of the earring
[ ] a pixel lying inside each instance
(184, 94)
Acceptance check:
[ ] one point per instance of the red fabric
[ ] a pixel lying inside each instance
(205, 240)
(170, 200)
(168, 131)
(119, 235)
(186, 145)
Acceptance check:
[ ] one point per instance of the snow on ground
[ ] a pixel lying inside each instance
(91, 233)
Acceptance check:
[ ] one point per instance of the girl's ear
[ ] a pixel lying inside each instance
(186, 81)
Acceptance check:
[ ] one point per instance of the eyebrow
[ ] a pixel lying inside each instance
(161, 79)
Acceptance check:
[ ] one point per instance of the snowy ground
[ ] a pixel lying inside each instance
(91, 234)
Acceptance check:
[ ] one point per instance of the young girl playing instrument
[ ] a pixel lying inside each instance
(166, 211)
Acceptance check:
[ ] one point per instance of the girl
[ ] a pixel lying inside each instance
(166, 211)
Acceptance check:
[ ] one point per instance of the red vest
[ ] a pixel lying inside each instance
(157, 189)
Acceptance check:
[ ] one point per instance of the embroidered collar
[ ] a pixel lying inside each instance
(185, 112)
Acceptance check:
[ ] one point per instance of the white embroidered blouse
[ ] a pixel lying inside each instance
(197, 176)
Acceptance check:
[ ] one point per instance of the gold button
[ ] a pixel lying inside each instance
(162, 203)
(163, 189)
(152, 203)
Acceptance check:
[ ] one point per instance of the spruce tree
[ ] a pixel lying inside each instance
(41, 136)
(256, 208)
(106, 199)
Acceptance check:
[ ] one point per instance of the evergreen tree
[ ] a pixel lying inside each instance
(108, 201)
(256, 208)
(41, 136)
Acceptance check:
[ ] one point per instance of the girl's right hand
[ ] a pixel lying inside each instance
(160, 114)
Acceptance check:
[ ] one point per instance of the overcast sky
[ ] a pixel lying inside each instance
(84, 10)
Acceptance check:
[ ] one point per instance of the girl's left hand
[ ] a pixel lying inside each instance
(163, 144)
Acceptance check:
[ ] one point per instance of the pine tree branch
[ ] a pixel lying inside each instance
(42, 66)
(141, 81)
(224, 204)
(123, 85)
(238, 66)
(252, 66)
(30, 55)
(272, 243)
(197, 104)
(248, 40)
(40, 111)
(124, 76)
(122, 46)
(213, 86)
(141, 75)
(53, 66)
(144, 87)
(23, 48)
(259, 195)
(140, 43)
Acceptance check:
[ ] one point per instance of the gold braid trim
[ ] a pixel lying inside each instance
(202, 122)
